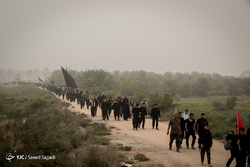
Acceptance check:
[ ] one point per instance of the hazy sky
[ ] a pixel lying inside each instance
(156, 35)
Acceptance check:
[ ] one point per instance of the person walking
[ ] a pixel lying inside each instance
(242, 145)
(116, 108)
(93, 107)
(182, 127)
(87, 102)
(110, 102)
(143, 113)
(82, 101)
(104, 108)
(232, 138)
(248, 147)
(206, 144)
(200, 125)
(155, 115)
(135, 116)
(190, 126)
(99, 99)
(145, 103)
(126, 113)
(175, 125)
(131, 103)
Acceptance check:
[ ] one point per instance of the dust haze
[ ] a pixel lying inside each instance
(158, 36)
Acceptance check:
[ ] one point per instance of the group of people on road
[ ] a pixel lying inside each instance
(182, 125)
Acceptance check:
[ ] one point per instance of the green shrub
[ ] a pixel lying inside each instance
(141, 157)
(231, 102)
(38, 103)
(217, 104)
(127, 148)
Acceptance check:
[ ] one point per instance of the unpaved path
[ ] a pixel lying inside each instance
(154, 144)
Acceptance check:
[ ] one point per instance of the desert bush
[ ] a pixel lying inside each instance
(38, 103)
(217, 104)
(141, 157)
(127, 148)
(231, 102)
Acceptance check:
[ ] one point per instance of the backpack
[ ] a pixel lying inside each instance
(227, 145)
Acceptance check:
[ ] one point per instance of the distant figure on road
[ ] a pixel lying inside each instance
(143, 113)
(200, 125)
(175, 125)
(182, 127)
(155, 115)
(206, 144)
(116, 108)
(110, 102)
(145, 102)
(136, 116)
(99, 99)
(93, 107)
(190, 130)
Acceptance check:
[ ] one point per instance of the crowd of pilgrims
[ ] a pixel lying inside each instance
(182, 125)
(122, 107)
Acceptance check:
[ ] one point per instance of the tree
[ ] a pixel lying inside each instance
(127, 86)
(29, 73)
(245, 85)
(89, 79)
(170, 86)
(18, 76)
(184, 89)
(165, 103)
(57, 76)
(202, 86)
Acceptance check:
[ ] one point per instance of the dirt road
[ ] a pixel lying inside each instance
(155, 143)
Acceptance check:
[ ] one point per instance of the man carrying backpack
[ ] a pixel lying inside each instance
(230, 144)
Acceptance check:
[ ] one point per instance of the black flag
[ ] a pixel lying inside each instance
(40, 79)
(70, 82)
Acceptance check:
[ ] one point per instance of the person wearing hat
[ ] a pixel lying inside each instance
(206, 144)
(136, 116)
(155, 115)
(200, 125)
(104, 107)
(110, 102)
(116, 108)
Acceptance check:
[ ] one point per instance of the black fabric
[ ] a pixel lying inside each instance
(70, 82)
(155, 121)
(155, 113)
(143, 112)
(190, 125)
(206, 138)
(136, 112)
(200, 124)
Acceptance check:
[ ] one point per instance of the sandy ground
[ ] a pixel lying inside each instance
(155, 143)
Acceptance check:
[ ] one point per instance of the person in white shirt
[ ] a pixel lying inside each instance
(185, 115)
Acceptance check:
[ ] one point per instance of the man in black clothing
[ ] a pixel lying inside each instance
(143, 114)
(116, 108)
(136, 116)
(87, 102)
(232, 138)
(182, 127)
(241, 146)
(126, 113)
(104, 106)
(110, 102)
(190, 126)
(206, 144)
(248, 147)
(96, 102)
(93, 107)
(200, 125)
(103, 96)
(155, 115)
(99, 99)
(82, 101)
